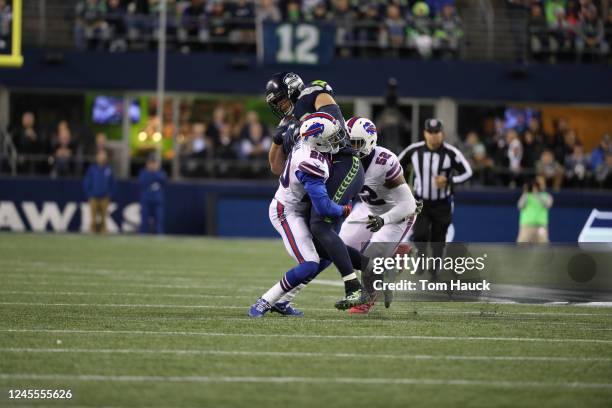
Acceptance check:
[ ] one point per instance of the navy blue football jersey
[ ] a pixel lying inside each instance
(305, 104)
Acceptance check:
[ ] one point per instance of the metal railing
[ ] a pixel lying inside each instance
(8, 153)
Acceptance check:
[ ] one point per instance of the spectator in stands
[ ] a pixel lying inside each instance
(28, 141)
(561, 126)
(394, 28)
(551, 8)
(577, 169)
(448, 30)
(538, 30)
(98, 186)
(6, 19)
(419, 30)
(603, 174)
(91, 28)
(242, 27)
(570, 140)
(561, 35)
(319, 13)
(532, 149)
(194, 150)
(293, 13)
(515, 154)
(549, 170)
(255, 142)
(368, 32)
(137, 20)
(534, 205)
(590, 36)
(535, 127)
(219, 120)
(476, 154)
(227, 146)
(152, 180)
(344, 17)
(598, 155)
(268, 11)
(115, 17)
(193, 26)
(63, 151)
(217, 20)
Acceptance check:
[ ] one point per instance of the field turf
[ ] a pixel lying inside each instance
(161, 322)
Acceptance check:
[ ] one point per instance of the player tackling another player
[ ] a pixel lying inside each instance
(323, 170)
(307, 169)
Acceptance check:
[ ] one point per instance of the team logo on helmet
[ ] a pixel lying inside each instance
(369, 128)
(314, 130)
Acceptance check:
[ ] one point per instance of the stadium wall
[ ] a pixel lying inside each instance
(240, 209)
(200, 73)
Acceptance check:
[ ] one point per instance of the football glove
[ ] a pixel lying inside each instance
(375, 223)
(419, 207)
(346, 210)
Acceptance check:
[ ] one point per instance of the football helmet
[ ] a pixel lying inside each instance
(362, 133)
(282, 92)
(322, 132)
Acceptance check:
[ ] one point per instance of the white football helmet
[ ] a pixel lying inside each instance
(363, 135)
(322, 132)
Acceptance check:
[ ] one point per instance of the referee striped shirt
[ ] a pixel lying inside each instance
(427, 164)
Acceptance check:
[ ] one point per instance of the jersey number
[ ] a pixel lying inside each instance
(382, 158)
(297, 43)
(369, 196)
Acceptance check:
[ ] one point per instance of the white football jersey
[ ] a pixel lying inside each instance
(383, 166)
(291, 192)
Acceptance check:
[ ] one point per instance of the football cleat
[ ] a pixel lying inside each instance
(361, 309)
(355, 298)
(365, 308)
(285, 309)
(260, 308)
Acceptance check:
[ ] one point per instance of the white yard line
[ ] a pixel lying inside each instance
(311, 354)
(305, 335)
(308, 380)
(426, 310)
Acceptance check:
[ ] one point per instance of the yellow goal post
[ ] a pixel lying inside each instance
(14, 59)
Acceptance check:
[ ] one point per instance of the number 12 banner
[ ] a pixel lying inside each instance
(301, 43)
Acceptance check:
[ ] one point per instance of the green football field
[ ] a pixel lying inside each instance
(161, 322)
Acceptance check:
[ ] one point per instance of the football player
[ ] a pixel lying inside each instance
(387, 209)
(292, 101)
(307, 168)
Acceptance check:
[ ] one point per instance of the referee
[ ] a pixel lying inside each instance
(437, 166)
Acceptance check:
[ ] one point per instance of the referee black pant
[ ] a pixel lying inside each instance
(431, 226)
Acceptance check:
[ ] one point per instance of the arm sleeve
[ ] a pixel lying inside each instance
(462, 166)
(315, 187)
(405, 205)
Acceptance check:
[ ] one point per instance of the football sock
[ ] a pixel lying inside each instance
(293, 277)
(289, 296)
(351, 285)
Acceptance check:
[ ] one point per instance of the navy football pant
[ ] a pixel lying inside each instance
(345, 182)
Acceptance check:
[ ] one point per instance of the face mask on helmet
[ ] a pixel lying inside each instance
(322, 133)
(363, 135)
(282, 92)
